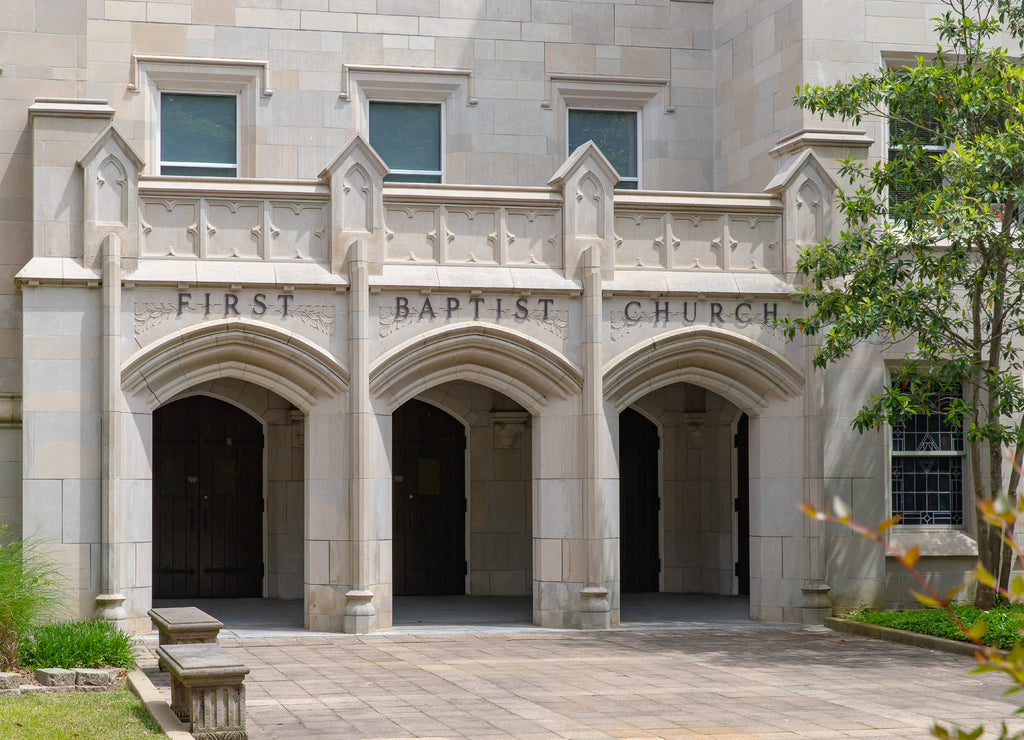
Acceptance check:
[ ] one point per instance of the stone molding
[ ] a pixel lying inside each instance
(389, 70)
(725, 362)
(248, 350)
(503, 359)
(139, 61)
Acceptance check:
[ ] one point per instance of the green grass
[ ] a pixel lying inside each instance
(108, 715)
(87, 643)
(1004, 622)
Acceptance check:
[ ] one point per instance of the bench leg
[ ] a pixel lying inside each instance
(218, 713)
(181, 699)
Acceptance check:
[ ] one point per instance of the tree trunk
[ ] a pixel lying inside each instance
(990, 544)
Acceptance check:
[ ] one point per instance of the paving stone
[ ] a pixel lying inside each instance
(55, 677)
(10, 681)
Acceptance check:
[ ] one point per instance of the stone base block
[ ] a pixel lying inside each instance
(10, 681)
(102, 677)
(55, 677)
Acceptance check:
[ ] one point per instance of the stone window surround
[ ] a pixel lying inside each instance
(245, 78)
(604, 92)
(451, 88)
(932, 539)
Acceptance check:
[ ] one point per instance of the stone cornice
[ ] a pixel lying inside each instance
(848, 138)
(70, 108)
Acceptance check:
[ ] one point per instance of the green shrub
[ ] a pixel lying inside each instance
(30, 593)
(1004, 622)
(88, 643)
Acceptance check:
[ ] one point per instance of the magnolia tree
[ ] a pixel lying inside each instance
(931, 255)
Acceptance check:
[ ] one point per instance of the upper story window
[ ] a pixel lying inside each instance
(615, 134)
(408, 137)
(198, 134)
(913, 144)
(927, 460)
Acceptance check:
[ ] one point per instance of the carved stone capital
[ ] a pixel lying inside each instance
(508, 427)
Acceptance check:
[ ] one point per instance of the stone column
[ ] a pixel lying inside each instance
(360, 610)
(110, 603)
(598, 599)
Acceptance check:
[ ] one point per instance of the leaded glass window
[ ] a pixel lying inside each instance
(615, 134)
(408, 137)
(928, 468)
(198, 135)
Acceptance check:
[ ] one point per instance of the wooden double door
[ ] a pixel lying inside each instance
(428, 501)
(207, 501)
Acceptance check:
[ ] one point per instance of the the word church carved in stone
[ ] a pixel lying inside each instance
(667, 313)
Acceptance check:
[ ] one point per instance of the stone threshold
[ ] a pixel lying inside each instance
(916, 639)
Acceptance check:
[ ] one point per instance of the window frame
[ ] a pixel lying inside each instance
(236, 165)
(637, 129)
(440, 104)
(891, 454)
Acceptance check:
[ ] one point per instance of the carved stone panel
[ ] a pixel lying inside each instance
(111, 193)
(471, 236)
(697, 242)
(170, 228)
(534, 237)
(356, 200)
(297, 231)
(810, 214)
(589, 208)
(639, 240)
(411, 234)
(754, 243)
(233, 229)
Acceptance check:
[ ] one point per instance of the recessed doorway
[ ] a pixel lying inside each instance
(428, 501)
(207, 501)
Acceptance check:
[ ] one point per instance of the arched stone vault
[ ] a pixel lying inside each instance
(505, 360)
(251, 351)
(730, 364)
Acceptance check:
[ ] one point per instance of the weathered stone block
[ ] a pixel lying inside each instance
(10, 681)
(95, 676)
(55, 677)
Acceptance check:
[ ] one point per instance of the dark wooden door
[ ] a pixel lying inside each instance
(429, 501)
(639, 503)
(207, 501)
(743, 505)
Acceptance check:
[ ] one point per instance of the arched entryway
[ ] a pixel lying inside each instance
(428, 501)
(207, 501)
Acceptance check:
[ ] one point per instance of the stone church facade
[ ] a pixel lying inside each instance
(335, 301)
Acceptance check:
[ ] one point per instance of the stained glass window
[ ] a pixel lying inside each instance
(928, 468)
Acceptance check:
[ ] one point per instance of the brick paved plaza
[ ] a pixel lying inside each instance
(758, 682)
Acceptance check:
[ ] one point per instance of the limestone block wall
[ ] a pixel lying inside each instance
(855, 471)
(758, 50)
(61, 454)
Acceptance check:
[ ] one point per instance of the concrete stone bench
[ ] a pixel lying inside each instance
(206, 690)
(184, 625)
